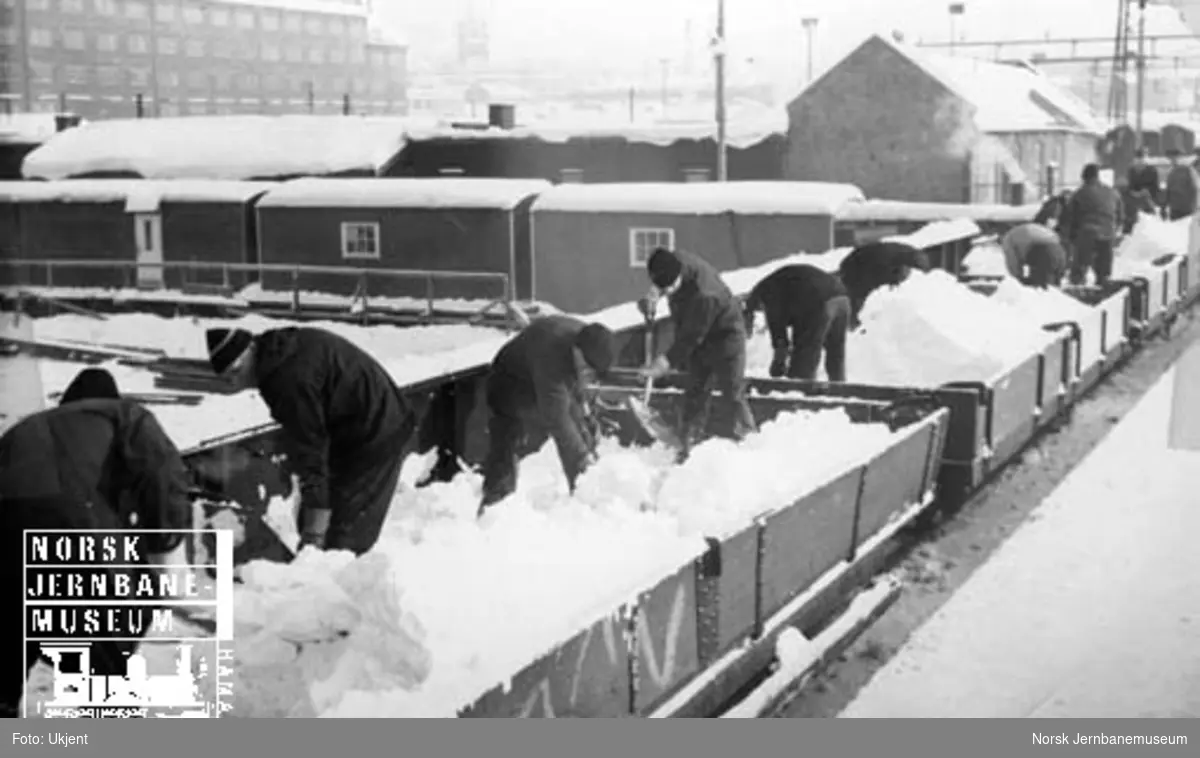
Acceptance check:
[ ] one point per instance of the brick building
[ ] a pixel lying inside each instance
(906, 124)
(183, 57)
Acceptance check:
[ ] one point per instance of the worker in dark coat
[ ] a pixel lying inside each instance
(344, 416)
(1035, 255)
(1094, 216)
(709, 342)
(808, 312)
(537, 390)
(95, 462)
(1143, 178)
(877, 264)
(1183, 185)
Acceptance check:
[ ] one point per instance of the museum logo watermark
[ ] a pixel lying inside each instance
(110, 626)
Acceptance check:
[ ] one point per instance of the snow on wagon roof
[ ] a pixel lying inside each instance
(138, 194)
(220, 147)
(748, 197)
(434, 192)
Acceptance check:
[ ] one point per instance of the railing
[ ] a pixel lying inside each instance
(227, 279)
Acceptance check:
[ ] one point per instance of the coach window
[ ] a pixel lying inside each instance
(571, 176)
(269, 21)
(451, 171)
(164, 12)
(360, 241)
(136, 9)
(643, 241)
(695, 175)
(193, 14)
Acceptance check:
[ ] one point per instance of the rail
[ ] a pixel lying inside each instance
(489, 287)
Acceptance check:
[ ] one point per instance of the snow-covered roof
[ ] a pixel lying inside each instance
(437, 192)
(695, 198)
(137, 194)
(220, 147)
(1006, 97)
(900, 210)
(740, 133)
(333, 7)
(26, 128)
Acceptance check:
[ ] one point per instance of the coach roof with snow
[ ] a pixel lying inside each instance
(220, 147)
(976, 129)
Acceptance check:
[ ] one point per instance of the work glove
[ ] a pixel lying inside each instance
(779, 364)
(657, 369)
(314, 526)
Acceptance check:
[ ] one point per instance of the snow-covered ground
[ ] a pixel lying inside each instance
(1090, 610)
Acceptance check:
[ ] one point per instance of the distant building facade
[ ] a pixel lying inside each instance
(183, 57)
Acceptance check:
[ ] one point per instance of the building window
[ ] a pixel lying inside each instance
(270, 52)
(222, 48)
(8, 36)
(164, 11)
(104, 7)
(293, 54)
(73, 39)
(378, 87)
(137, 43)
(195, 48)
(313, 25)
(245, 19)
(337, 27)
(378, 58)
(396, 59)
(272, 82)
(106, 43)
(41, 38)
(643, 241)
(139, 76)
(108, 76)
(270, 21)
(71, 6)
(136, 9)
(316, 55)
(193, 14)
(168, 45)
(337, 55)
(695, 175)
(360, 87)
(360, 241)
(291, 22)
(219, 17)
(571, 176)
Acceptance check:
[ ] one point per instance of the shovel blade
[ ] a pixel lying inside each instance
(653, 423)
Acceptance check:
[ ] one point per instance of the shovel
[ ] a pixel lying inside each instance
(640, 406)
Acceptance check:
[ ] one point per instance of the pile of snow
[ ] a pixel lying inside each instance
(986, 258)
(1040, 306)
(1151, 239)
(928, 331)
(460, 604)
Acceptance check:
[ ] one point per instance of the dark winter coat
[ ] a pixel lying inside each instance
(1144, 177)
(794, 295)
(110, 457)
(878, 264)
(706, 316)
(340, 409)
(1037, 246)
(539, 375)
(1094, 212)
(1182, 186)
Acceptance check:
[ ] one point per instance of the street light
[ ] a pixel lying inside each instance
(956, 10)
(810, 24)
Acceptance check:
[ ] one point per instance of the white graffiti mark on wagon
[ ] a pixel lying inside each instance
(664, 674)
(542, 693)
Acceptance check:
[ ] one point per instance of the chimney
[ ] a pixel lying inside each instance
(502, 116)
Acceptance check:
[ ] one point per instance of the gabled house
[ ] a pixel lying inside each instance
(907, 124)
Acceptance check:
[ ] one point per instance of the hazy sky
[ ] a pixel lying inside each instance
(632, 34)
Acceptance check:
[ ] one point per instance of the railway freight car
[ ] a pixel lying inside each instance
(443, 226)
(118, 233)
(591, 241)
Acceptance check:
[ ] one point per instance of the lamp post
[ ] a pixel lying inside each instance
(810, 25)
(719, 56)
(1141, 71)
(956, 10)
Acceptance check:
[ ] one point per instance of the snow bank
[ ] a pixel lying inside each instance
(1040, 306)
(930, 330)
(479, 599)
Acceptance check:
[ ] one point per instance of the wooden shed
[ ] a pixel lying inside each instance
(127, 221)
(591, 241)
(447, 226)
